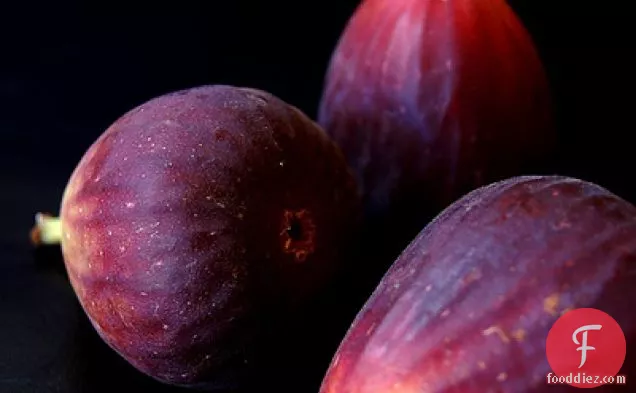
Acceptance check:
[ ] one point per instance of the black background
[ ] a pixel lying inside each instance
(69, 69)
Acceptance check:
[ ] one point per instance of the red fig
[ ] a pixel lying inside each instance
(195, 221)
(467, 306)
(429, 99)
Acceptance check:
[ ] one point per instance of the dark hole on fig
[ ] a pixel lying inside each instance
(297, 234)
(295, 229)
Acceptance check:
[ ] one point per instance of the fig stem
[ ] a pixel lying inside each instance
(47, 230)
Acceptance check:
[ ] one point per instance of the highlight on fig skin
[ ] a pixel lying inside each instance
(298, 234)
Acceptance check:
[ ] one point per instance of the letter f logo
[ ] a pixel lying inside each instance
(583, 346)
(572, 330)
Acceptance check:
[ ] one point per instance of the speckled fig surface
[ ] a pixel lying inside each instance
(468, 305)
(195, 220)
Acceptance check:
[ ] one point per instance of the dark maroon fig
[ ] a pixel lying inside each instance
(199, 219)
(430, 99)
(467, 306)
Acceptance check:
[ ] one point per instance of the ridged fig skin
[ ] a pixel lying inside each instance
(176, 228)
(467, 306)
(430, 99)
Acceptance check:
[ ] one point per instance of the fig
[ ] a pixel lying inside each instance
(198, 221)
(468, 305)
(431, 99)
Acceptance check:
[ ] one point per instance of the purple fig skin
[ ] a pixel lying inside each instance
(431, 99)
(196, 219)
(467, 306)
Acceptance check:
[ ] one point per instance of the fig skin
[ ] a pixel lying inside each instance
(467, 306)
(431, 99)
(197, 221)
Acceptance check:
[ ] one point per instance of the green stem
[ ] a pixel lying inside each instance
(47, 230)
